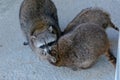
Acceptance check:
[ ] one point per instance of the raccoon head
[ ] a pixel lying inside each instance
(43, 36)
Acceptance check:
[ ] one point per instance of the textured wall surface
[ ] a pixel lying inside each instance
(18, 62)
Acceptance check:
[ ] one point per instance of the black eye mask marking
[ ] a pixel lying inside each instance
(49, 44)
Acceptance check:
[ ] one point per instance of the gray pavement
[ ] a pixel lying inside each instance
(18, 62)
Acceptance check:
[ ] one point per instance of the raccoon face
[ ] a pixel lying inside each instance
(43, 39)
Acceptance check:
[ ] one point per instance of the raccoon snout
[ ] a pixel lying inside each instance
(44, 52)
(47, 50)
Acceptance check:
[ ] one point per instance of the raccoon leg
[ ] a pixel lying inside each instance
(27, 41)
(113, 26)
(111, 57)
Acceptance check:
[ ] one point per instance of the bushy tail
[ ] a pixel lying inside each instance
(111, 57)
(113, 26)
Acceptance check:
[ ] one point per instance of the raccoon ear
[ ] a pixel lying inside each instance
(33, 37)
(50, 28)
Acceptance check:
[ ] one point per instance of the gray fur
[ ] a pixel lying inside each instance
(36, 17)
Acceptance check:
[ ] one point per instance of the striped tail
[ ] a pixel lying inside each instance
(113, 26)
(111, 57)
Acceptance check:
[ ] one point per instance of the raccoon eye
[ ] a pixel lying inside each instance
(50, 29)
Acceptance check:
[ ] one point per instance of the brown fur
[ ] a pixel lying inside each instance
(81, 47)
(92, 15)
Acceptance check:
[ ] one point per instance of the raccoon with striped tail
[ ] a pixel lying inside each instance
(81, 47)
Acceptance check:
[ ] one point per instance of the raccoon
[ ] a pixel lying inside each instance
(39, 23)
(81, 47)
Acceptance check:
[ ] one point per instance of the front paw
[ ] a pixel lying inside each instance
(25, 43)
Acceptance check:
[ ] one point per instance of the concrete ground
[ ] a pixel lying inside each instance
(18, 62)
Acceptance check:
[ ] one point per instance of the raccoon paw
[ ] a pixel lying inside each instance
(25, 43)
